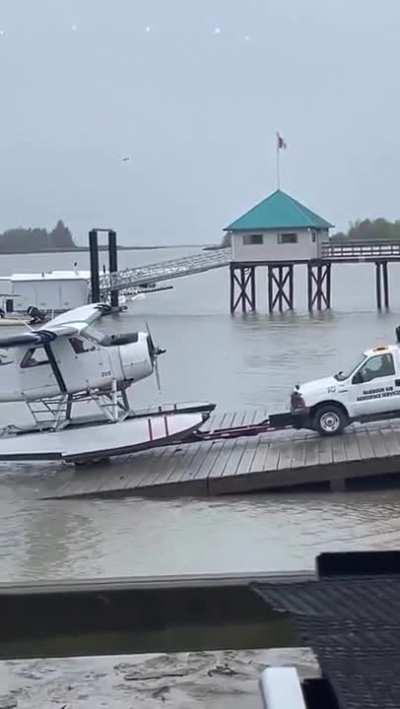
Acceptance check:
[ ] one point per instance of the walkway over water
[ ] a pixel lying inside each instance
(280, 274)
(207, 260)
(167, 270)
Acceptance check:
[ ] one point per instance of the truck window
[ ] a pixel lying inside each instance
(378, 366)
(346, 374)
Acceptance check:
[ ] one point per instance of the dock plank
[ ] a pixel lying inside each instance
(247, 458)
(216, 420)
(338, 451)
(260, 454)
(281, 459)
(204, 451)
(234, 458)
(181, 463)
(210, 460)
(272, 457)
(312, 452)
(286, 456)
(219, 465)
(392, 442)
(153, 468)
(364, 444)
(298, 454)
(325, 451)
(378, 444)
(351, 447)
(248, 445)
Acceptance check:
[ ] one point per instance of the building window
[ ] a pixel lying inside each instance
(289, 238)
(253, 239)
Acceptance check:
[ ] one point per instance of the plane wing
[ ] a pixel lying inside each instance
(73, 322)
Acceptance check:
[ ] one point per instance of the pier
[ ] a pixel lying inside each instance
(243, 294)
(280, 276)
(279, 461)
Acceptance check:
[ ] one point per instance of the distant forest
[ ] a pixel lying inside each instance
(375, 230)
(31, 240)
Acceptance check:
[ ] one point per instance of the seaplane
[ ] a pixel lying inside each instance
(69, 365)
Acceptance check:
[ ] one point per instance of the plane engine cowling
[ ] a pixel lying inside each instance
(136, 360)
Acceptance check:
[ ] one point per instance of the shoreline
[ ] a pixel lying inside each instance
(83, 249)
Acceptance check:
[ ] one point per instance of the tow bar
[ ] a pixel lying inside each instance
(275, 422)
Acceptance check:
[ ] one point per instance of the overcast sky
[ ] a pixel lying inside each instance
(194, 91)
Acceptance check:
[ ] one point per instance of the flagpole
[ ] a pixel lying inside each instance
(278, 172)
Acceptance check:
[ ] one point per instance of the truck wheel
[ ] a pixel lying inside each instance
(330, 420)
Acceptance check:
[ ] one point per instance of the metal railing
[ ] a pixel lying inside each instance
(167, 270)
(360, 250)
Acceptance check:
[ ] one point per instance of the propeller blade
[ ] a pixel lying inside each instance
(157, 373)
(156, 351)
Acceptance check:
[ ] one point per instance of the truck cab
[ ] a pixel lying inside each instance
(369, 389)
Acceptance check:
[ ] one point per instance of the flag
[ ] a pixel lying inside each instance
(281, 144)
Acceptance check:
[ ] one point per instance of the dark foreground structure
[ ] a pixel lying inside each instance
(348, 613)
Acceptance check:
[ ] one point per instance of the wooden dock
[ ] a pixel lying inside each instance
(268, 462)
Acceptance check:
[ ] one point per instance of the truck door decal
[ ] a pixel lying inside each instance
(382, 393)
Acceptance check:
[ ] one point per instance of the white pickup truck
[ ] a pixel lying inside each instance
(368, 390)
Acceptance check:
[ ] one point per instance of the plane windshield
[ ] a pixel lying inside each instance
(91, 333)
(346, 374)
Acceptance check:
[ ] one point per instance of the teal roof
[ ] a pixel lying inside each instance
(279, 211)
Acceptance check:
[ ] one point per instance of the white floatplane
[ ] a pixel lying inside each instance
(68, 361)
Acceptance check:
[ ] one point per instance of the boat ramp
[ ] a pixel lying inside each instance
(272, 461)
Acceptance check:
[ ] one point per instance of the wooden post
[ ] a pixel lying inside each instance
(270, 289)
(310, 286)
(291, 289)
(243, 288)
(232, 288)
(253, 288)
(385, 284)
(94, 266)
(280, 286)
(378, 285)
(328, 285)
(318, 285)
(113, 267)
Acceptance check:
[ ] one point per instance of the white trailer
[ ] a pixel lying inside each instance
(51, 291)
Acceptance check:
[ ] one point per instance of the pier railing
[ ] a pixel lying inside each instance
(360, 250)
(167, 270)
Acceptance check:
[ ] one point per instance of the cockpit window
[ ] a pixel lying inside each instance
(79, 346)
(34, 357)
(5, 358)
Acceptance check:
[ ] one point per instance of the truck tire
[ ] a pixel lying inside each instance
(330, 420)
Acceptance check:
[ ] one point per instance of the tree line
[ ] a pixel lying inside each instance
(374, 230)
(22, 240)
